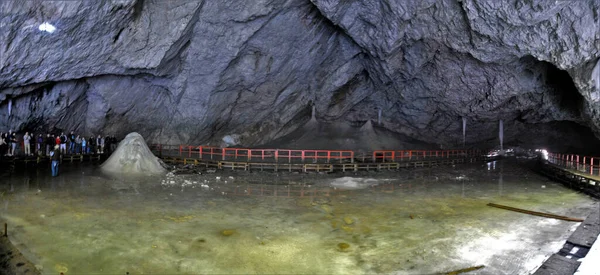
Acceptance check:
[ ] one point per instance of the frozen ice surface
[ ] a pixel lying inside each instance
(133, 157)
(415, 221)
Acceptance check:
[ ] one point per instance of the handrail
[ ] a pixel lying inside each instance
(584, 164)
(297, 155)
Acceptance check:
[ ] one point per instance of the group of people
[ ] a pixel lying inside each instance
(12, 144)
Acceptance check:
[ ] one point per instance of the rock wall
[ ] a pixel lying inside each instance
(195, 71)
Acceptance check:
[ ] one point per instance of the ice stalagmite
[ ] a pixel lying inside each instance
(133, 157)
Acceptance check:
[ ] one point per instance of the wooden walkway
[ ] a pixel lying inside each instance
(315, 167)
(577, 246)
(581, 181)
(26, 160)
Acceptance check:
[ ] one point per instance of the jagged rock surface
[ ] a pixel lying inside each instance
(195, 71)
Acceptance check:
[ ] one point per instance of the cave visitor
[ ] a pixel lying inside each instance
(40, 144)
(83, 146)
(91, 145)
(57, 141)
(8, 144)
(78, 145)
(55, 156)
(2, 145)
(63, 143)
(27, 143)
(114, 143)
(49, 142)
(72, 143)
(100, 144)
(107, 144)
(13, 143)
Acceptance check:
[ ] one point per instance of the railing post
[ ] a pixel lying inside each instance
(352, 157)
(276, 155)
(329, 155)
(302, 156)
(591, 166)
(223, 153)
(200, 151)
(577, 161)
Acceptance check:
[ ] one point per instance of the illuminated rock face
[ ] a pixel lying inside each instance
(196, 71)
(133, 157)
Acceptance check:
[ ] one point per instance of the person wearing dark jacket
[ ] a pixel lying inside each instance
(3, 145)
(55, 157)
(91, 145)
(13, 143)
(40, 144)
(49, 144)
(72, 143)
(63, 143)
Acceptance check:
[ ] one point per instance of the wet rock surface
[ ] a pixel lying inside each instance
(197, 71)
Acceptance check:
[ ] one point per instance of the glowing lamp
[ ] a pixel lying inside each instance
(47, 27)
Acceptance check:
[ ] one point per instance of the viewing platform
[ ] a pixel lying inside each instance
(580, 253)
(309, 160)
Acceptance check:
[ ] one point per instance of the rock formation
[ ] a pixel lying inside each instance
(186, 71)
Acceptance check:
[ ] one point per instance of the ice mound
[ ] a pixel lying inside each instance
(133, 157)
(353, 183)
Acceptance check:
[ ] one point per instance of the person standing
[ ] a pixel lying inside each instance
(57, 141)
(3, 146)
(55, 157)
(83, 146)
(13, 143)
(91, 145)
(63, 143)
(40, 144)
(114, 143)
(100, 145)
(49, 142)
(72, 143)
(78, 145)
(27, 143)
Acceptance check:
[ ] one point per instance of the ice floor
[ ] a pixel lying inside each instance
(409, 222)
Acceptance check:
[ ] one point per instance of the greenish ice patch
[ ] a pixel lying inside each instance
(409, 222)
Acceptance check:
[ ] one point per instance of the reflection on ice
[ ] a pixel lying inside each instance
(353, 183)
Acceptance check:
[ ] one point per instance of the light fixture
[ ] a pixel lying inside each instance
(47, 27)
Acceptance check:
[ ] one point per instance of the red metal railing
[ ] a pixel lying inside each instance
(584, 164)
(303, 156)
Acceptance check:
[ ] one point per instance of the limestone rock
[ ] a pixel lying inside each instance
(196, 71)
